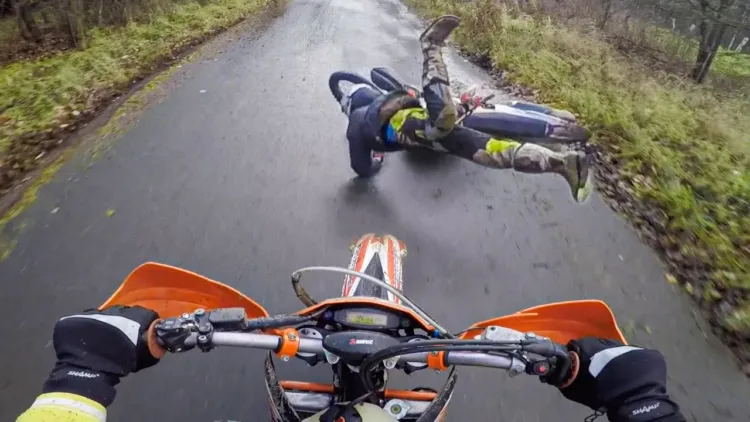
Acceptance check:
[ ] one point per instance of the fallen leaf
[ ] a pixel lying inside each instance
(110, 212)
(714, 294)
(670, 278)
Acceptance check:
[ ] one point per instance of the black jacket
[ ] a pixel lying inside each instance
(366, 131)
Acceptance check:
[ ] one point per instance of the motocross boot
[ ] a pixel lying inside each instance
(573, 166)
(579, 175)
(441, 109)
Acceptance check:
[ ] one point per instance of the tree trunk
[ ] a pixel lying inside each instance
(607, 5)
(76, 31)
(709, 45)
(26, 23)
(124, 11)
(626, 25)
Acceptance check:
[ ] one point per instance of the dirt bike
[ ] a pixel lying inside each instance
(522, 121)
(373, 328)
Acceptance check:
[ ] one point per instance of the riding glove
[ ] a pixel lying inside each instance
(97, 348)
(628, 383)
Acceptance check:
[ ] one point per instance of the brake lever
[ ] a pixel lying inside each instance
(544, 347)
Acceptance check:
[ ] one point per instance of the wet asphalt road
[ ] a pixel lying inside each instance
(250, 179)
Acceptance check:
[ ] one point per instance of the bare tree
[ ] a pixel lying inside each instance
(75, 23)
(712, 19)
(608, 8)
(711, 29)
(26, 24)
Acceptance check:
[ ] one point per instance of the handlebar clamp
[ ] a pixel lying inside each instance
(185, 332)
(173, 333)
(190, 330)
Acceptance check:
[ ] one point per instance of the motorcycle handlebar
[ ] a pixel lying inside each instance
(257, 341)
(458, 358)
(308, 345)
(251, 340)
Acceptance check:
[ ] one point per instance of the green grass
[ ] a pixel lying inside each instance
(682, 150)
(732, 64)
(49, 93)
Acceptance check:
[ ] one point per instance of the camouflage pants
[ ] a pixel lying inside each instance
(435, 127)
(441, 110)
(411, 126)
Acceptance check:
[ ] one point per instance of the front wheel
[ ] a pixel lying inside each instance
(334, 82)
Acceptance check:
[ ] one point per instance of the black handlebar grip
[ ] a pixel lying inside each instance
(560, 366)
(575, 366)
(152, 340)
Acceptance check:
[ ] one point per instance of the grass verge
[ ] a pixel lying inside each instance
(44, 100)
(675, 156)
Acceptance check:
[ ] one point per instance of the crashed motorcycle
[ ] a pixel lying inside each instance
(370, 330)
(518, 120)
